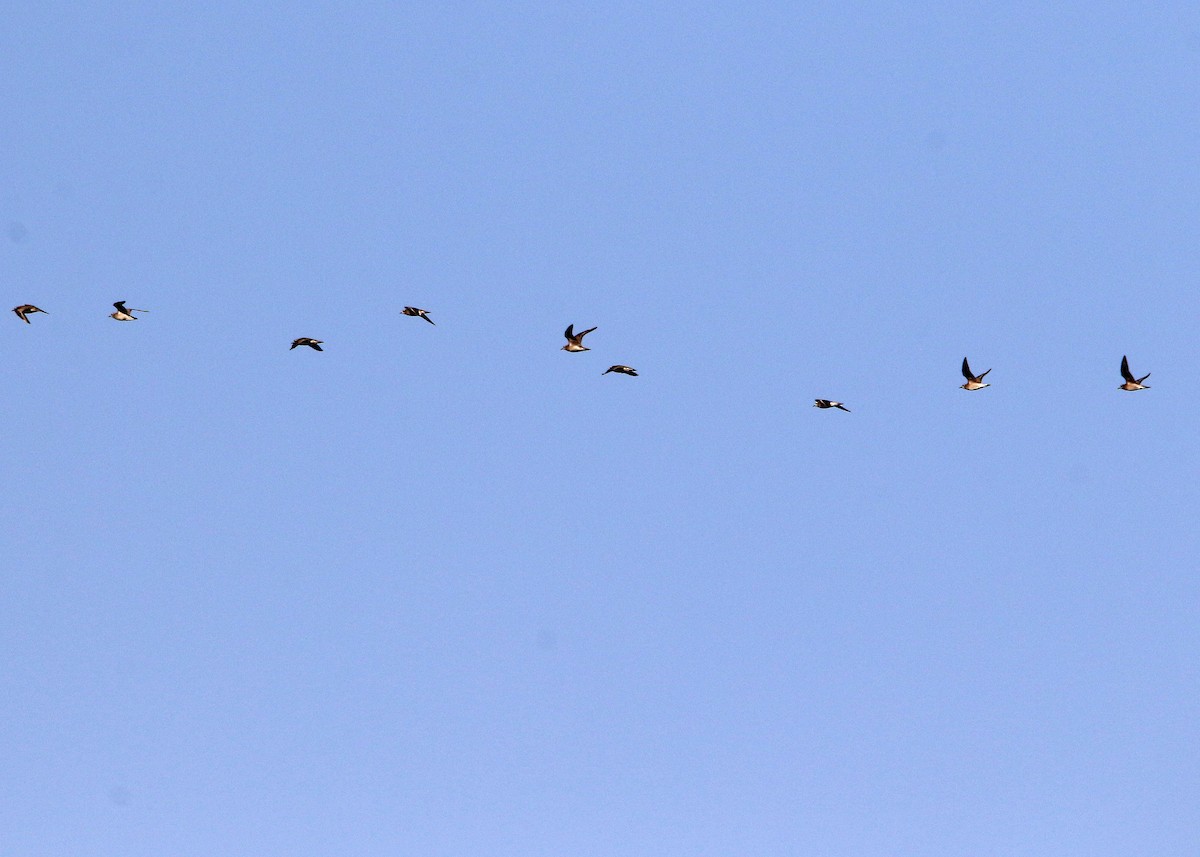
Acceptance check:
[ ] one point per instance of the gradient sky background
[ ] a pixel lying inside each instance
(448, 591)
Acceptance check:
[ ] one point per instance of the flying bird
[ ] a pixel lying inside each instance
(123, 313)
(25, 309)
(624, 370)
(420, 313)
(314, 344)
(974, 382)
(1131, 383)
(826, 403)
(575, 340)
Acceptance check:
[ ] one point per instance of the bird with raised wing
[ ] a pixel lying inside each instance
(123, 313)
(624, 370)
(314, 344)
(575, 340)
(419, 313)
(26, 309)
(1131, 383)
(827, 403)
(974, 382)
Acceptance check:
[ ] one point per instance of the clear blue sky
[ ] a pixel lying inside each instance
(448, 591)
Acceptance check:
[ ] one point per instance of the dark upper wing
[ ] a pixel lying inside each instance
(570, 334)
(1125, 373)
(966, 370)
(120, 305)
(586, 332)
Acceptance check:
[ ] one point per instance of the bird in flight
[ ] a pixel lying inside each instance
(25, 309)
(314, 344)
(1131, 383)
(826, 403)
(419, 313)
(575, 340)
(123, 313)
(624, 370)
(974, 382)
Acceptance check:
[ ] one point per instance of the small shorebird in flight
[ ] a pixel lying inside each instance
(1131, 383)
(25, 309)
(624, 370)
(974, 382)
(419, 313)
(575, 340)
(314, 344)
(123, 313)
(826, 403)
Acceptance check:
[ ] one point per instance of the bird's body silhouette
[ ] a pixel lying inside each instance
(1131, 383)
(123, 313)
(827, 403)
(575, 340)
(26, 309)
(974, 382)
(419, 313)
(624, 370)
(314, 344)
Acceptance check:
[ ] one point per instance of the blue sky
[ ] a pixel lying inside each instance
(448, 591)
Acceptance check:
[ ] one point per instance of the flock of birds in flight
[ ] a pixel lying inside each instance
(575, 344)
